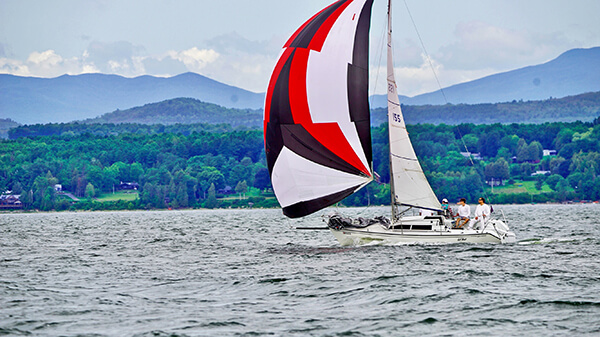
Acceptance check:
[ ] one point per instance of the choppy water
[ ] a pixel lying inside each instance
(240, 272)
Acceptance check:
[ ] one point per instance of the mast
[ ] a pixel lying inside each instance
(391, 82)
(409, 186)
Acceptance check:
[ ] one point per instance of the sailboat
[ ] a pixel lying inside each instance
(318, 136)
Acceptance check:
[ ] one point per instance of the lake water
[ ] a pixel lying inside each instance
(250, 273)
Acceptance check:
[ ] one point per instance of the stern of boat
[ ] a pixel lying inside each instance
(500, 229)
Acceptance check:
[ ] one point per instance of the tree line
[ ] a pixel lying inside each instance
(189, 167)
(172, 170)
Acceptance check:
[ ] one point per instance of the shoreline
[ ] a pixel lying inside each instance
(35, 211)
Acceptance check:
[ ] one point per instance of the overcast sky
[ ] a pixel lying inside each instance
(237, 41)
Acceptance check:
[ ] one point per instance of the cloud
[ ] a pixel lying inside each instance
(248, 71)
(121, 57)
(126, 59)
(414, 80)
(14, 67)
(244, 63)
(480, 50)
(482, 45)
(195, 59)
(229, 58)
(163, 66)
(45, 64)
(46, 59)
(410, 80)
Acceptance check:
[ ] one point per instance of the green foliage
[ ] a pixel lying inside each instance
(211, 201)
(183, 111)
(173, 170)
(71, 130)
(90, 191)
(241, 187)
(191, 169)
(497, 170)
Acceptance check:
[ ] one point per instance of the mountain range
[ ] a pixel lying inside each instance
(583, 107)
(186, 115)
(574, 72)
(30, 100)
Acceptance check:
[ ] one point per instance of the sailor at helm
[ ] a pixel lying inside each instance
(482, 214)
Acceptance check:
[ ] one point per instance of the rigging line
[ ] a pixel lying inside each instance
(380, 49)
(441, 89)
(426, 53)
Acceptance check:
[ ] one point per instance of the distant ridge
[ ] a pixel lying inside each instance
(182, 111)
(31, 100)
(583, 107)
(574, 72)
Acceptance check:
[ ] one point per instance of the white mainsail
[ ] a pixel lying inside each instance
(409, 185)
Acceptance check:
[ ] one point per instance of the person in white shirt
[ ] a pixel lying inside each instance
(464, 211)
(482, 214)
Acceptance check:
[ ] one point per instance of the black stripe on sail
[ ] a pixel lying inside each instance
(297, 139)
(304, 37)
(360, 57)
(358, 81)
(404, 158)
(280, 113)
(308, 207)
(358, 103)
(273, 144)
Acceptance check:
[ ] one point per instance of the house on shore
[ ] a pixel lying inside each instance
(10, 201)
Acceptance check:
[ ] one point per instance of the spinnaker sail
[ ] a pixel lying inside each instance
(316, 122)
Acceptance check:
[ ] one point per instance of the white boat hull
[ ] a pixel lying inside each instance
(440, 233)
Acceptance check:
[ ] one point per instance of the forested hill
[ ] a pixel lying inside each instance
(584, 107)
(172, 116)
(182, 111)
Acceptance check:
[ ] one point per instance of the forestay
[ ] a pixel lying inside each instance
(316, 122)
(409, 184)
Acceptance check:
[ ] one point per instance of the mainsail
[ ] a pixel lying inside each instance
(316, 122)
(409, 185)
